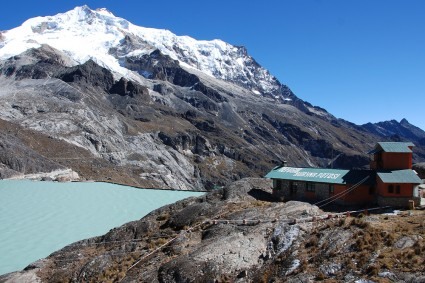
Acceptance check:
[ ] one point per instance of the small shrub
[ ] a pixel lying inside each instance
(363, 258)
(372, 270)
(303, 265)
(321, 276)
(389, 239)
(418, 250)
(313, 241)
(387, 264)
(324, 246)
(161, 241)
(163, 216)
(360, 223)
(120, 275)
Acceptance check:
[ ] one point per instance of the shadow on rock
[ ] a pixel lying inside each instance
(262, 195)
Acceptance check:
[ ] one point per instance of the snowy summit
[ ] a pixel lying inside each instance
(84, 34)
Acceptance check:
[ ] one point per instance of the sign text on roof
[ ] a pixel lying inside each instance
(297, 172)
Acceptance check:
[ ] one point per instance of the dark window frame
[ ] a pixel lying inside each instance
(397, 189)
(293, 187)
(390, 188)
(277, 184)
(311, 187)
(331, 189)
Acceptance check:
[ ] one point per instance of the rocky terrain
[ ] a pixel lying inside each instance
(148, 108)
(238, 234)
(402, 129)
(420, 169)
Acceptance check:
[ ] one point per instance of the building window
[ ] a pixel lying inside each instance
(293, 188)
(331, 189)
(371, 190)
(390, 189)
(397, 189)
(310, 187)
(277, 184)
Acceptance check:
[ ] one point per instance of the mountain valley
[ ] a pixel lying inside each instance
(115, 102)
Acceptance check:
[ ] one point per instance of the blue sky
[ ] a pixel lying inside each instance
(363, 61)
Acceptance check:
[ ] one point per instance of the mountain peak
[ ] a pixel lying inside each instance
(83, 8)
(404, 122)
(102, 34)
(104, 11)
(82, 13)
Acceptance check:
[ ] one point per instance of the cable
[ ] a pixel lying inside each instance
(341, 194)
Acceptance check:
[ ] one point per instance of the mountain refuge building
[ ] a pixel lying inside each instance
(390, 181)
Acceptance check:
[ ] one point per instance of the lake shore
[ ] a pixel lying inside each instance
(41, 217)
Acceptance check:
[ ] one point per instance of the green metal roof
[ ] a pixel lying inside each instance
(399, 176)
(395, 146)
(319, 175)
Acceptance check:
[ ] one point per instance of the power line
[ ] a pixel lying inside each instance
(341, 194)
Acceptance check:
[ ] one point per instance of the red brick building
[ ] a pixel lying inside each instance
(389, 181)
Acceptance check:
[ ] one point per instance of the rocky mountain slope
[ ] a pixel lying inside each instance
(169, 111)
(237, 234)
(402, 129)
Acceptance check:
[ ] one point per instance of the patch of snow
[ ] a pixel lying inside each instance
(187, 152)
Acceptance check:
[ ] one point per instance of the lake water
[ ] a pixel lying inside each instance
(38, 218)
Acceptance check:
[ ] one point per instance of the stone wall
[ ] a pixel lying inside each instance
(282, 191)
(397, 201)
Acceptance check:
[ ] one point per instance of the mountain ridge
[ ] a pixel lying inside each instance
(214, 58)
(140, 108)
(395, 128)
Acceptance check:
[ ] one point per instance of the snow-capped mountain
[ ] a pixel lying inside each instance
(85, 34)
(91, 92)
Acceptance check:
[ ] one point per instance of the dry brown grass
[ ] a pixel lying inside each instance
(369, 250)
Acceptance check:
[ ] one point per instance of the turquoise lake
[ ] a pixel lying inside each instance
(38, 218)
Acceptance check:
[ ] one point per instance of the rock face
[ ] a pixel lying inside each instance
(162, 110)
(239, 234)
(185, 132)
